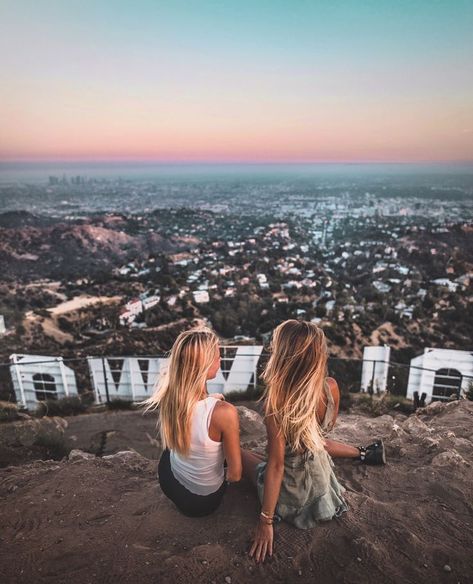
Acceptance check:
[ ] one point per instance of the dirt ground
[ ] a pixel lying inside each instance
(89, 519)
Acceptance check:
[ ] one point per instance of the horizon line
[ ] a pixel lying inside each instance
(203, 162)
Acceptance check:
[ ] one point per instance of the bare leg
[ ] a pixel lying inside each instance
(250, 460)
(341, 450)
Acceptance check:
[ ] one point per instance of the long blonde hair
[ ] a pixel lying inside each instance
(295, 376)
(180, 387)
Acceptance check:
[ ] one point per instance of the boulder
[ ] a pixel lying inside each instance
(130, 460)
(416, 427)
(396, 432)
(77, 455)
(125, 456)
(449, 458)
(251, 424)
(432, 409)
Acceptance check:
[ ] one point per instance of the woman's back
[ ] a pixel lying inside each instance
(201, 470)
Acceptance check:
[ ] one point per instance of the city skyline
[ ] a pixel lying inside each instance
(236, 82)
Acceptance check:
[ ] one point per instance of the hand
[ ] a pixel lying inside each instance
(263, 541)
(217, 396)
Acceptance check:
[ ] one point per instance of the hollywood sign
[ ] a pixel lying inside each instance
(439, 373)
(36, 378)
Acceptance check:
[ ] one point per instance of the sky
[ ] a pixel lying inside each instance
(230, 81)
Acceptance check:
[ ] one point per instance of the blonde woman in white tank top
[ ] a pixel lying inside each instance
(199, 432)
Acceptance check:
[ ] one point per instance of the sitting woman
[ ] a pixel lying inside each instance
(297, 482)
(198, 431)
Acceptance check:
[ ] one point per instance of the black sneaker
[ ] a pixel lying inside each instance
(373, 454)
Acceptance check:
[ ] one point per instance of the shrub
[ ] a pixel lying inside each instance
(250, 394)
(120, 404)
(398, 402)
(8, 412)
(54, 445)
(20, 330)
(469, 391)
(378, 406)
(66, 406)
(88, 398)
(346, 401)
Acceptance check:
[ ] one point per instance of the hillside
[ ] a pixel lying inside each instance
(38, 247)
(91, 519)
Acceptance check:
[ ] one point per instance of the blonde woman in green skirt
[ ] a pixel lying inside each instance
(297, 482)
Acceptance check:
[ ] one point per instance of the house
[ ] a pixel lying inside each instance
(452, 286)
(201, 296)
(134, 306)
(329, 306)
(126, 317)
(171, 301)
(381, 286)
(150, 301)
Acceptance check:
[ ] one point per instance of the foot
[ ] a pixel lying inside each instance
(373, 454)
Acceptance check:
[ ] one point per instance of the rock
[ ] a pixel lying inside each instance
(130, 460)
(228, 580)
(385, 419)
(430, 443)
(463, 444)
(447, 568)
(448, 458)
(400, 418)
(23, 416)
(75, 455)
(432, 409)
(416, 427)
(251, 424)
(125, 456)
(396, 432)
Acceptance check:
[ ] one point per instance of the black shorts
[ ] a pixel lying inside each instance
(188, 503)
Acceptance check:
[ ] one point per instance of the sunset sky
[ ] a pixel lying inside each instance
(236, 80)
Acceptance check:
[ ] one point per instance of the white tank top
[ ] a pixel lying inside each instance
(201, 471)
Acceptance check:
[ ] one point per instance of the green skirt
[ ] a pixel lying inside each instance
(310, 491)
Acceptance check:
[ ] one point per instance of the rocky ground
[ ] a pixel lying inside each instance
(103, 518)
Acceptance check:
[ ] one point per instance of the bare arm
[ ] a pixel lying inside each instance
(264, 535)
(336, 396)
(227, 423)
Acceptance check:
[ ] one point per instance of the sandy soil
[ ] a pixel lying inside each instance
(50, 326)
(92, 519)
(385, 334)
(81, 302)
